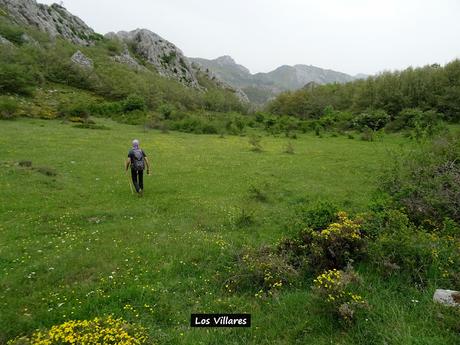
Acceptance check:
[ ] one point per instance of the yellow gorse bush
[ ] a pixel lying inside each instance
(106, 330)
(344, 228)
(334, 285)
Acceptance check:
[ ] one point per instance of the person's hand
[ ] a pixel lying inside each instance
(148, 172)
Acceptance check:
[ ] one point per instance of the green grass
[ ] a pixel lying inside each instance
(78, 245)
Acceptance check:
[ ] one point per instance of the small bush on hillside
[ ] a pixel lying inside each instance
(261, 271)
(336, 290)
(114, 47)
(134, 102)
(17, 79)
(9, 107)
(61, 70)
(75, 110)
(166, 110)
(367, 135)
(106, 108)
(373, 119)
(419, 254)
(254, 141)
(195, 124)
(385, 221)
(316, 215)
(289, 148)
(12, 33)
(335, 246)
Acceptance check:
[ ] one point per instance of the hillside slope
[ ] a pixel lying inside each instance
(45, 47)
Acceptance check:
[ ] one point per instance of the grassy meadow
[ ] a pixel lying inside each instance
(76, 244)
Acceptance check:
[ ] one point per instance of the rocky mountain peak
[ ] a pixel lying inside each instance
(225, 60)
(54, 20)
(167, 59)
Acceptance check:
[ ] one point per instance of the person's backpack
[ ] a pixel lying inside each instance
(138, 160)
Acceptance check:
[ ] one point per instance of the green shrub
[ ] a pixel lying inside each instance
(9, 107)
(424, 124)
(17, 79)
(289, 148)
(386, 221)
(316, 215)
(78, 109)
(134, 102)
(254, 141)
(373, 119)
(261, 271)
(166, 110)
(335, 246)
(420, 255)
(426, 181)
(367, 135)
(58, 68)
(106, 108)
(12, 33)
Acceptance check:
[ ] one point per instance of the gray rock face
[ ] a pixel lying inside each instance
(126, 59)
(447, 297)
(29, 40)
(54, 19)
(167, 59)
(4, 41)
(80, 59)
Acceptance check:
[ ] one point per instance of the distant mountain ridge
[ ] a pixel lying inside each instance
(260, 87)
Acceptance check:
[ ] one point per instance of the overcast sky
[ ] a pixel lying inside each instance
(351, 36)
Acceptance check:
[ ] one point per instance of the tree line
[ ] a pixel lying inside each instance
(431, 88)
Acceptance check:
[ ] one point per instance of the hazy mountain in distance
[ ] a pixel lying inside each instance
(227, 69)
(260, 87)
(361, 76)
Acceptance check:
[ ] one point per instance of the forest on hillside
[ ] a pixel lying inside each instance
(400, 97)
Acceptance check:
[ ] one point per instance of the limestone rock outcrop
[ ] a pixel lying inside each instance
(167, 59)
(80, 59)
(54, 19)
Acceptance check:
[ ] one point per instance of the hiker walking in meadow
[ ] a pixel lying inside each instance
(137, 159)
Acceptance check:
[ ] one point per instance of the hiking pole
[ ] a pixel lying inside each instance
(129, 180)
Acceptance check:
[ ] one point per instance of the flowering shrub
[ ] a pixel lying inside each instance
(97, 331)
(339, 243)
(332, 247)
(262, 270)
(333, 286)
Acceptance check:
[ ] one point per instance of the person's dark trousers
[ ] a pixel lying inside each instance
(138, 179)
